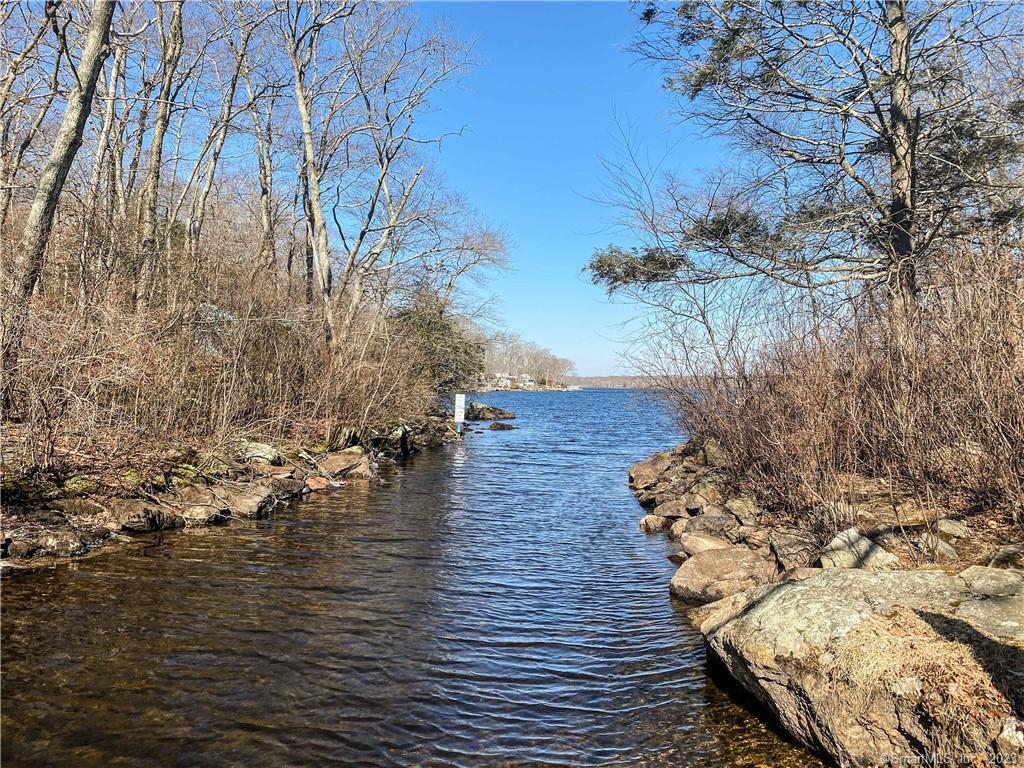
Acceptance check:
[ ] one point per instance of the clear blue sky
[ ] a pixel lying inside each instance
(540, 109)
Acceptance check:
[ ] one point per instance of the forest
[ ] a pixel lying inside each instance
(221, 218)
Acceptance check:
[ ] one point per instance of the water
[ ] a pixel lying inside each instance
(490, 604)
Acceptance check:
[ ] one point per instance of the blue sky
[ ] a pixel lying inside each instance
(540, 109)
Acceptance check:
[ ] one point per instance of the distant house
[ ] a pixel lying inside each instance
(526, 381)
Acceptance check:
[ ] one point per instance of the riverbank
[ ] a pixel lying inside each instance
(50, 519)
(899, 639)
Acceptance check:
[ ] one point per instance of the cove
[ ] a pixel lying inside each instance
(490, 603)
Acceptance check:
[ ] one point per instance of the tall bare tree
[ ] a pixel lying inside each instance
(29, 256)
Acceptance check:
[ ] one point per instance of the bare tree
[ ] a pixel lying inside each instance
(171, 41)
(31, 249)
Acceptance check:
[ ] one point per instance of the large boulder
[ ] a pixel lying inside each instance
(645, 474)
(695, 543)
(484, 412)
(716, 573)
(911, 667)
(343, 462)
(851, 550)
(715, 523)
(791, 547)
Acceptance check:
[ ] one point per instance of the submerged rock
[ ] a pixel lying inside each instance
(499, 425)
(917, 667)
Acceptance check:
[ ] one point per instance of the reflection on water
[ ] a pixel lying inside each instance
(489, 604)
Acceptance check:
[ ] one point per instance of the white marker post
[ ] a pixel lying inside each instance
(460, 412)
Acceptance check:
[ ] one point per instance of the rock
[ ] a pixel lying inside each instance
(288, 487)
(199, 505)
(851, 550)
(990, 581)
(916, 666)
(342, 462)
(77, 507)
(791, 548)
(653, 523)
(936, 548)
(22, 548)
(954, 529)
(257, 453)
(717, 573)
(693, 543)
(363, 470)
(644, 474)
(61, 543)
(484, 412)
(678, 557)
(749, 536)
(713, 454)
(318, 483)
(678, 528)
(138, 516)
(500, 425)
(252, 501)
(745, 509)
(1010, 556)
(798, 574)
(718, 524)
(674, 509)
(702, 497)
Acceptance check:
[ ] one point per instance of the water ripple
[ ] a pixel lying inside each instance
(489, 604)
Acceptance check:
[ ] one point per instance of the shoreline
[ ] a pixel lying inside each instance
(855, 646)
(244, 482)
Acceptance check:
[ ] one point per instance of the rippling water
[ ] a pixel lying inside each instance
(489, 604)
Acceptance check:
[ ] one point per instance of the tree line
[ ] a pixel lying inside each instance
(226, 216)
(509, 360)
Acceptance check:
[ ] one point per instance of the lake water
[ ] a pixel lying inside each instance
(487, 604)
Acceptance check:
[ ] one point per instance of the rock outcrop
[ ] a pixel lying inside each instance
(884, 666)
(867, 663)
(244, 482)
(484, 412)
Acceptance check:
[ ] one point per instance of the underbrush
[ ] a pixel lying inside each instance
(928, 400)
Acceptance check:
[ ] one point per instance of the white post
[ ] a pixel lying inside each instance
(460, 412)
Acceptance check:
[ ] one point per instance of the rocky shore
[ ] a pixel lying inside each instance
(47, 522)
(898, 641)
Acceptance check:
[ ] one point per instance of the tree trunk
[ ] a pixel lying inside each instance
(30, 253)
(148, 236)
(321, 250)
(903, 269)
